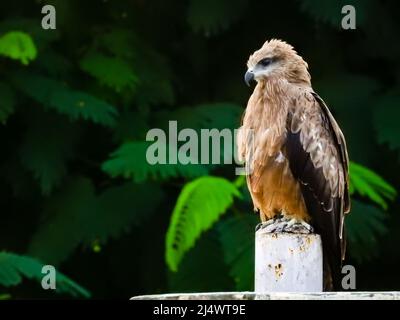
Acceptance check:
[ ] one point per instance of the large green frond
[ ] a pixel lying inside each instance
(367, 183)
(199, 205)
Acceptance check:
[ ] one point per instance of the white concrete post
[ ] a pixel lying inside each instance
(288, 262)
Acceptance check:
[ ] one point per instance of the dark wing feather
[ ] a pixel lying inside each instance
(317, 155)
(341, 145)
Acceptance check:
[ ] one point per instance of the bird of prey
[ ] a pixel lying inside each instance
(297, 154)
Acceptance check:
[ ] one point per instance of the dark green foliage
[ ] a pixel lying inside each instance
(47, 161)
(76, 215)
(7, 103)
(386, 115)
(130, 160)
(331, 11)
(237, 238)
(56, 95)
(211, 17)
(12, 266)
(364, 226)
(203, 268)
(112, 72)
(204, 116)
(76, 104)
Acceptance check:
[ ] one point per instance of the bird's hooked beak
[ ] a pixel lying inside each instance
(249, 76)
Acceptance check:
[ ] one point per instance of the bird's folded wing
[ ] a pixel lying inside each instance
(317, 156)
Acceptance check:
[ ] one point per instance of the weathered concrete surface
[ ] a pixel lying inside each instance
(382, 295)
(288, 262)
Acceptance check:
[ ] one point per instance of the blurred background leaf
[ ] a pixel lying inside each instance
(364, 225)
(212, 17)
(18, 46)
(13, 267)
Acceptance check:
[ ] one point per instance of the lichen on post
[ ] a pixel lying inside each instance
(288, 262)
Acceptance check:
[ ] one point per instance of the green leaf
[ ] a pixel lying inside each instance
(118, 41)
(7, 102)
(5, 296)
(119, 207)
(112, 72)
(237, 237)
(155, 76)
(63, 222)
(364, 225)
(47, 161)
(18, 45)
(211, 17)
(13, 267)
(75, 216)
(199, 205)
(19, 181)
(150, 67)
(42, 38)
(56, 95)
(80, 105)
(205, 260)
(130, 161)
(367, 183)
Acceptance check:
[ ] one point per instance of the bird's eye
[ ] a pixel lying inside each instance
(265, 62)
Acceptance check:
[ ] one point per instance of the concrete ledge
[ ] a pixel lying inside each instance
(355, 295)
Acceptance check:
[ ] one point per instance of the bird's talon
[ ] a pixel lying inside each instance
(284, 225)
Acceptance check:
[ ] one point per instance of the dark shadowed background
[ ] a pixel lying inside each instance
(76, 103)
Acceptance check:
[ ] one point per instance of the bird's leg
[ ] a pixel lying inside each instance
(283, 223)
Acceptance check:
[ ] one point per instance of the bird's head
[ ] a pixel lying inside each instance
(277, 59)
